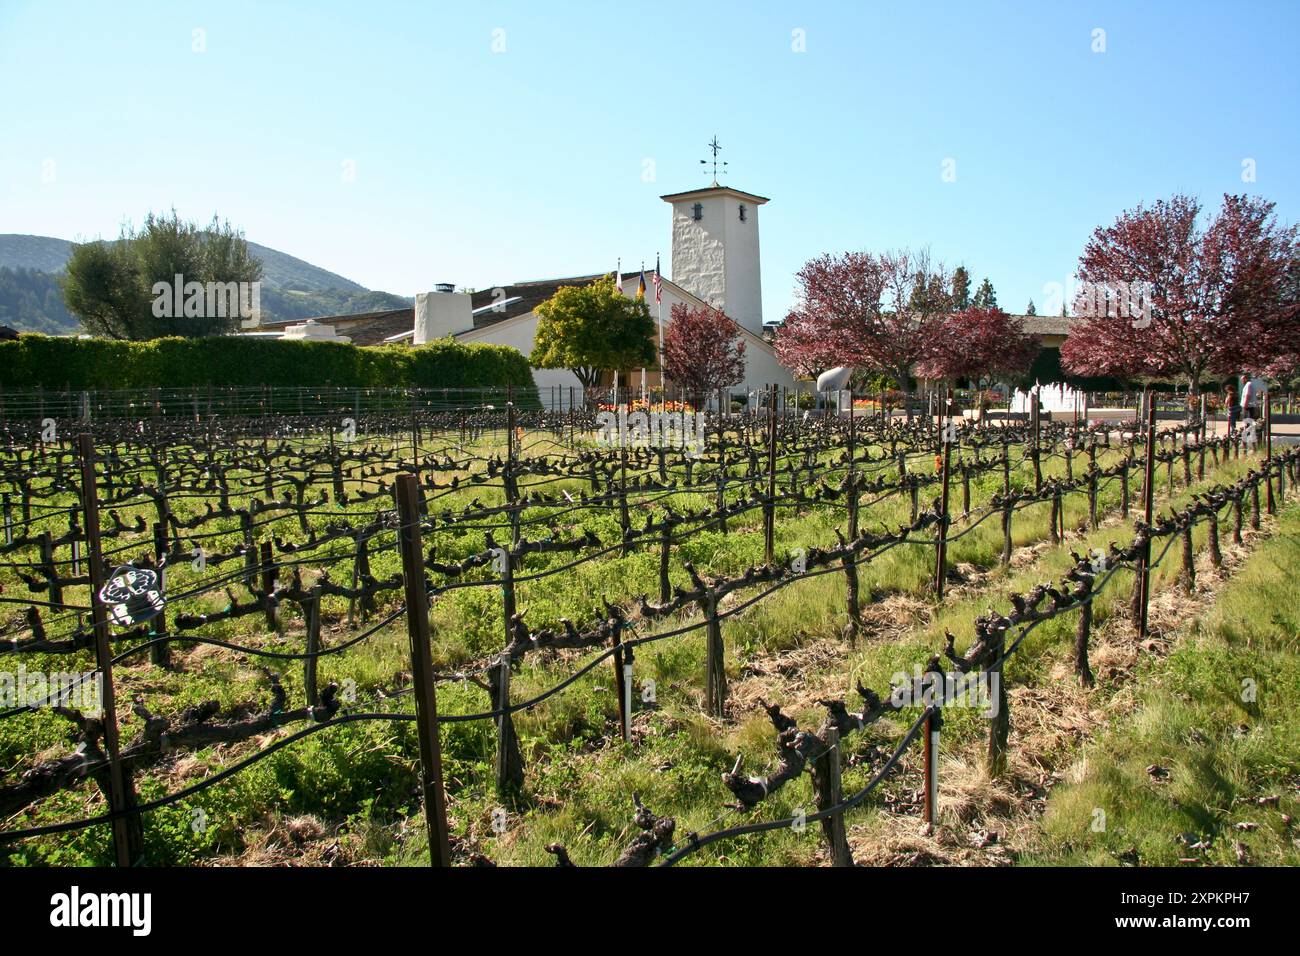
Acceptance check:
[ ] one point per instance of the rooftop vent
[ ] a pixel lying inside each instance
(445, 287)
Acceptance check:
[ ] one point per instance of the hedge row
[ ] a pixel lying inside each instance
(56, 363)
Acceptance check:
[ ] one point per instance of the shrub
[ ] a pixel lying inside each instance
(233, 360)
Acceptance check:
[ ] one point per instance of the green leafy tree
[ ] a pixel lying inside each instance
(961, 289)
(591, 329)
(116, 288)
(985, 297)
(930, 293)
(1030, 309)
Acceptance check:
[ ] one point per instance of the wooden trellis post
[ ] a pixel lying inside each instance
(1148, 513)
(1036, 452)
(406, 494)
(1000, 723)
(269, 575)
(826, 781)
(1083, 631)
(933, 725)
(849, 561)
(128, 833)
(622, 677)
(509, 761)
(159, 653)
(1008, 506)
(940, 564)
(312, 649)
(769, 501)
(1268, 452)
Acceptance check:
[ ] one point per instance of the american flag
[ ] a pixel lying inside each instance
(658, 282)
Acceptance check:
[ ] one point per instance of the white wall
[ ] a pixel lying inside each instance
(744, 283)
(439, 314)
(699, 250)
(519, 333)
(717, 258)
(761, 367)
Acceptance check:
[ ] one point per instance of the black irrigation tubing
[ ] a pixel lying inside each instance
(81, 824)
(695, 841)
(703, 520)
(971, 527)
(259, 652)
(280, 515)
(216, 642)
(212, 584)
(61, 607)
(532, 702)
(550, 692)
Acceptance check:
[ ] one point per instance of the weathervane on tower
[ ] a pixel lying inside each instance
(715, 146)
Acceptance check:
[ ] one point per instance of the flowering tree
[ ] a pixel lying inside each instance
(703, 351)
(876, 312)
(1165, 298)
(1262, 263)
(979, 343)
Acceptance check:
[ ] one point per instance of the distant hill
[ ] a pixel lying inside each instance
(31, 300)
(42, 253)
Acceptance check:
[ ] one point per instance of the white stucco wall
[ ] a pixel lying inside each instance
(761, 366)
(717, 258)
(744, 282)
(699, 251)
(519, 333)
(439, 314)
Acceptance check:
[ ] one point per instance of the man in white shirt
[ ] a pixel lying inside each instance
(1250, 396)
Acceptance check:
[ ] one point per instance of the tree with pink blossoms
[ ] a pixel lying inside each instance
(1166, 297)
(703, 351)
(861, 310)
(978, 344)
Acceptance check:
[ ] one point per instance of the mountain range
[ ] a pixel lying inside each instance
(31, 299)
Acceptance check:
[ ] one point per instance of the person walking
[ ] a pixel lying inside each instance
(1249, 397)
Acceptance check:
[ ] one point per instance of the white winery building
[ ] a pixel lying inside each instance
(715, 261)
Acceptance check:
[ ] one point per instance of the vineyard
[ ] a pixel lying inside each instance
(469, 628)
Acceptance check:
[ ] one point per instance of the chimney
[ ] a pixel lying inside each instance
(441, 313)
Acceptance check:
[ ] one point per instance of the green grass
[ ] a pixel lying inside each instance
(1222, 716)
(360, 779)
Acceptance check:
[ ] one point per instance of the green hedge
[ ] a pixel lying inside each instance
(236, 360)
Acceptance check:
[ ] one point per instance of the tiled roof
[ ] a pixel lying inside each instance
(1046, 324)
(375, 326)
(527, 296)
(520, 298)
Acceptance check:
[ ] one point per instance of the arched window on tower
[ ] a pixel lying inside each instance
(742, 212)
(698, 211)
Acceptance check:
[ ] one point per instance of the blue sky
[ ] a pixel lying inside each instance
(482, 166)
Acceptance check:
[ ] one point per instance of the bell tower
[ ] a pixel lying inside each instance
(715, 248)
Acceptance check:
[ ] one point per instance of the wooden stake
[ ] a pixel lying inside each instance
(826, 778)
(128, 837)
(406, 494)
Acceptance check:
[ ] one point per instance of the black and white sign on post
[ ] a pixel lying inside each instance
(132, 595)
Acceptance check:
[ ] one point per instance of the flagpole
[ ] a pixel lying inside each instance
(659, 322)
